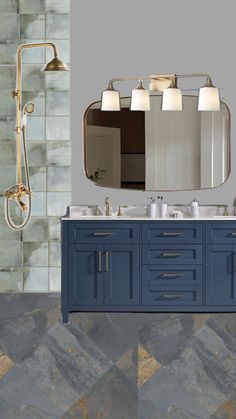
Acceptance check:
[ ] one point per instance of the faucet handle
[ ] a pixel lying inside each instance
(120, 213)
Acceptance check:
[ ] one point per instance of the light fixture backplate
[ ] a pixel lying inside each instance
(160, 82)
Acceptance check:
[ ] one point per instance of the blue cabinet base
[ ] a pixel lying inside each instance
(148, 266)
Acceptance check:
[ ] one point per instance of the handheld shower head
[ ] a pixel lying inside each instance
(28, 108)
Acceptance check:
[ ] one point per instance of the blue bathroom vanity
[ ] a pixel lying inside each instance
(144, 265)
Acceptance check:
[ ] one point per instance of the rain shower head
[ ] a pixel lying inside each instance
(55, 65)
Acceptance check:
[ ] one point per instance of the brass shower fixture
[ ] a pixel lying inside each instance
(19, 191)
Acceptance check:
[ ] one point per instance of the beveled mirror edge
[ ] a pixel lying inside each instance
(152, 190)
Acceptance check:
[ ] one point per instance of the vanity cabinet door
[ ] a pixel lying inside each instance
(85, 274)
(121, 277)
(221, 274)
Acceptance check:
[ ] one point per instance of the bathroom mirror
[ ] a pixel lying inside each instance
(157, 150)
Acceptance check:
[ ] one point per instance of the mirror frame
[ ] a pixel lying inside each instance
(148, 190)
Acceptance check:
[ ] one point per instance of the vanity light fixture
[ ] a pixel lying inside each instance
(172, 97)
(21, 190)
(140, 100)
(110, 99)
(209, 98)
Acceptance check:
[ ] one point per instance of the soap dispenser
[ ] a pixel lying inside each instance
(194, 208)
(152, 208)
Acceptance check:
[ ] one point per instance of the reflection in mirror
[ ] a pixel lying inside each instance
(157, 150)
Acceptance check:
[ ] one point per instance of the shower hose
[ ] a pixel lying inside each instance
(16, 193)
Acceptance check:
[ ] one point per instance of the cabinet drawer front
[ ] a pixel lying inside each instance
(171, 254)
(221, 233)
(172, 275)
(103, 233)
(171, 296)
(172, 232)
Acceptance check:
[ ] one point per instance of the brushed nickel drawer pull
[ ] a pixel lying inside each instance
(233, 234)
(171, 296)
(171, 255)
(171, 234)
(107, 261)
(99, 261)
(103, 234)
(171, 274)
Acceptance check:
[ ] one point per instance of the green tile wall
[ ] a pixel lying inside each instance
(30, 260)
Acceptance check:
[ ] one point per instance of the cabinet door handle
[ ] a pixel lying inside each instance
(171, 296)
(99, 261)
(171, 255)
(103, 234)
(107, 261)
(233, 234)
(171, 234)
(171, 274)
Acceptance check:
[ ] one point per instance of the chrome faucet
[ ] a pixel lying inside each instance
(108, 208)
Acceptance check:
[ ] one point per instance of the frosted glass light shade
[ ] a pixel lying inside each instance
(172, 99)
(209, 99)
(110, 100)
(140, 100)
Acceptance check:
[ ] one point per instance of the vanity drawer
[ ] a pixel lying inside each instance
(172, 275)
(172, 232)
(220, 233)
(171, 254)
(101, 232)
(171, 295)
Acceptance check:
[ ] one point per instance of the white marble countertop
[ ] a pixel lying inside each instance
(138, 213)
(145, 218)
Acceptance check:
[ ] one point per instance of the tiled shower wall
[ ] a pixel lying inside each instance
(30, 260)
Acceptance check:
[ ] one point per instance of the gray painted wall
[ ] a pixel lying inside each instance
(110, 38)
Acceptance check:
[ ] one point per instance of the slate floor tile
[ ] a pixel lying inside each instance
(218, 361)
(4, 409)
(17, 389)
(165, 338)
(89, 369)
(65, 365)
(147, 365)
(128, 364)
(227, 410)
(112, 397)
(169, 398)
(24, 319)
(17, 305)
(103, 362)
(5, 364)
(113, 333)
(43, 369)
(146, 410)
(190, 373)
(224, 326)
(26, 412)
